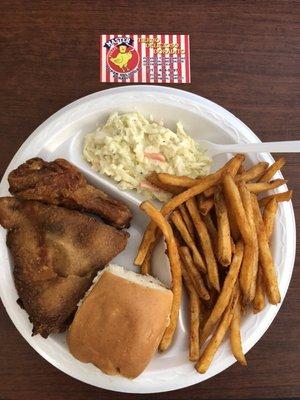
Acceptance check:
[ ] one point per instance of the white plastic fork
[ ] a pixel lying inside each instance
(268, 147)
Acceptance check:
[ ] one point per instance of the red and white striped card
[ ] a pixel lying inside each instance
(155, 58)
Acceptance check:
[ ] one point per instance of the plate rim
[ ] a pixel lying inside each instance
(186, 95)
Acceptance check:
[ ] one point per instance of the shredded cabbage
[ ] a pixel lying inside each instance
(120, 149)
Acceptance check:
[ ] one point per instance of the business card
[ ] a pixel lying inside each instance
(133, 58)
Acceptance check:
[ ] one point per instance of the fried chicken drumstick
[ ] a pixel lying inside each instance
(61, 183)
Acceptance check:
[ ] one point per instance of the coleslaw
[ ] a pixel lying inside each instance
(129, 147)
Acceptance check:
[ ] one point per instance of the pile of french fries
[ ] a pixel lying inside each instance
(217, 234)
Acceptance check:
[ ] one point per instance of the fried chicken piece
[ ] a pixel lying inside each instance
(62, 184)
(56, 253)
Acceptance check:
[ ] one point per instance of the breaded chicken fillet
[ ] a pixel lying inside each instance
(56, 254)
(62, 184)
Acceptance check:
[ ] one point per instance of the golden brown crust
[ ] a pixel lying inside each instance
(56, 254)
(61, 183)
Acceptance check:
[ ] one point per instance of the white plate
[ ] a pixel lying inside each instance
(61, 136)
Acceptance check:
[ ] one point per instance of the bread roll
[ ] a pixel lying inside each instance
(120, 322)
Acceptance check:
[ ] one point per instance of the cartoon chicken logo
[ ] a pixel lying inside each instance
(122, 58)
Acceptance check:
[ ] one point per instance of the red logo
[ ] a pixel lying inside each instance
(123, 58)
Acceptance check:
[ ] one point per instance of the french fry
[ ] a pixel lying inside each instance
(224, 238)
(259, 298)
(259, 187)
(226, 292)
(231, 167)
(269, 216)
(252, 173)
(249, 296)
(235, 334)
(203, 317)
(234, 203)
(208, 305)
(210, 225)
(208, 193)
(171, 205)
(283, 196)
(271, 171)
(187, 220)
(153, 178)
(178, 240)
(146, 266)
(173, 255)
(174, 180)
(181, 227)
(148, 238)
(250, 259)
(211, 264)
(213, 232)
(241, 170)
(205, 183)
(265, 256)
(205, 205)
(194, 312)
(234, 229)
(194, 274)
(207, 356)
